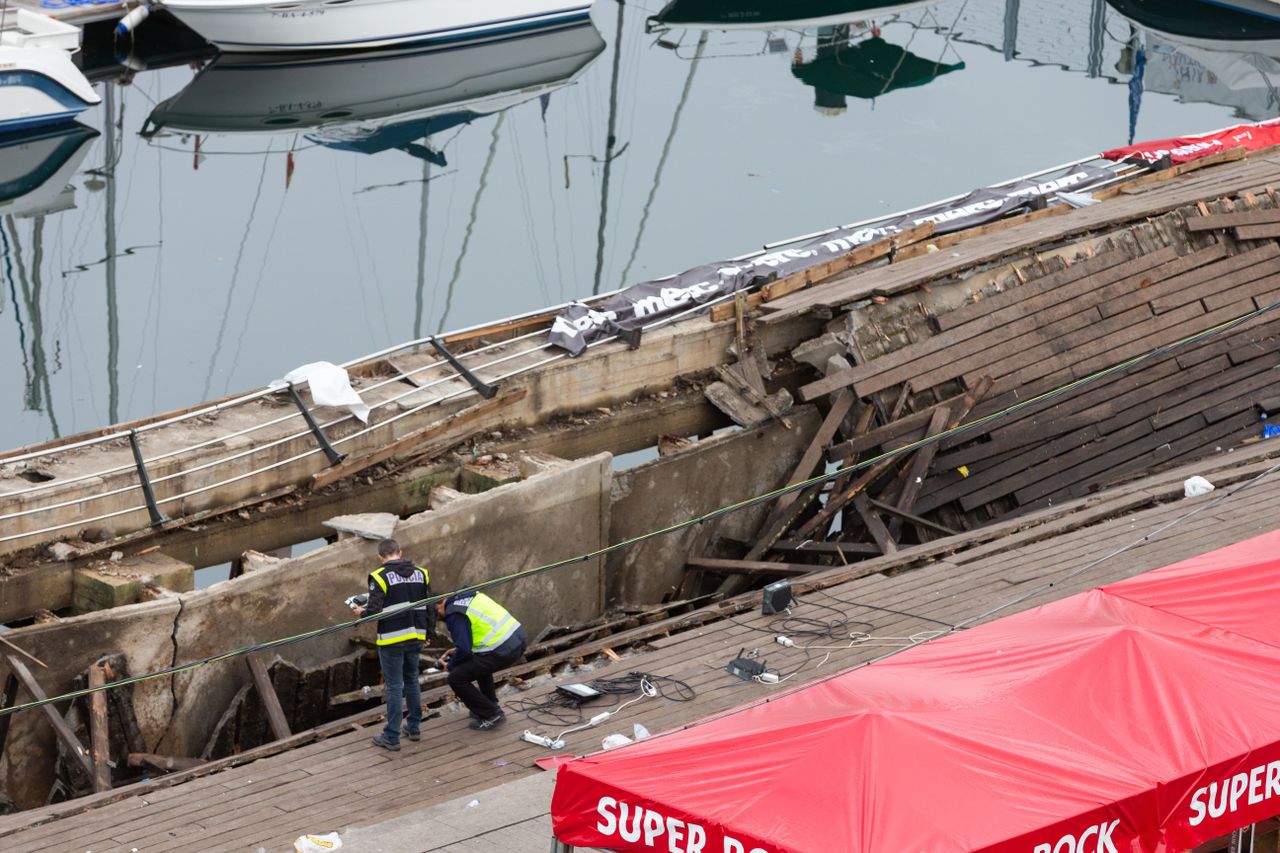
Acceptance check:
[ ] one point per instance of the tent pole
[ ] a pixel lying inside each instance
(558, 846)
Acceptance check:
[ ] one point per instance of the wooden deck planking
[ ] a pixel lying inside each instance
(247, 814)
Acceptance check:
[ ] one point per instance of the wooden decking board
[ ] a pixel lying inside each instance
(1164, 293)
(1217, 286)
(1232, 384)
(1222, 221)
(1258, 232)
(1120, 446)
(1022, 319)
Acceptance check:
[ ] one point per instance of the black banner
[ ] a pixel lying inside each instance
(579, 325)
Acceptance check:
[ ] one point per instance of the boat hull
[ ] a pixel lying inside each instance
(40, 87)
(335, 25)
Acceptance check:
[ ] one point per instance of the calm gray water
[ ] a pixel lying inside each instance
(147, 275)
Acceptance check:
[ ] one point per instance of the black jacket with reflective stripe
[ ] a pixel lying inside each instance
(391, 586)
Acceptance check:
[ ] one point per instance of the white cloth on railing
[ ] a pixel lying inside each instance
(330, 386)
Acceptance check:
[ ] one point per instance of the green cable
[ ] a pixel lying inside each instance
(681, 525)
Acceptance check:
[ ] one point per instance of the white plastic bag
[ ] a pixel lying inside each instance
(614, 741)
(1196, 486)
(330, 386)
(317, 843)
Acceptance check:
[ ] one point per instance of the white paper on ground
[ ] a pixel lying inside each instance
(330, 386)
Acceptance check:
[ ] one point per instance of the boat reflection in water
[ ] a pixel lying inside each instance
(36, 169)
(848, 58)
(772, 14)
(1202, 53)
(378, 100)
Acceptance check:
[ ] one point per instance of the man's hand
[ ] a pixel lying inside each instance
(444, 658)
(357, 610)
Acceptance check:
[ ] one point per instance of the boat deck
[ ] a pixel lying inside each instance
(339, 782)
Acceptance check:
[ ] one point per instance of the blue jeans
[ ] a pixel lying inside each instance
(400, 673)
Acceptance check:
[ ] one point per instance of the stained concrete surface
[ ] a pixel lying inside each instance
(514, 818)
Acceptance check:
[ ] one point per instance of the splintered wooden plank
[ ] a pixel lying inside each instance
(100, 751)
(875, 525)
(840, 407)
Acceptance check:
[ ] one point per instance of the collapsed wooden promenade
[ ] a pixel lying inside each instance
(1170, 275)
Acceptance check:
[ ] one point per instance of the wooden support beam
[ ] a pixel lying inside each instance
(918, 468)
(838, 549)
(438, 430)
(837, 500)
(1258, 232)
(26, 654)
(270, 701)
(840, 406)
(914, 519)
(68, 737)
(880, 534)
(163, 762)
(99, 742)
(748, 567)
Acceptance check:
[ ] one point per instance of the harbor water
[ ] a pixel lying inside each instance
(216, 223)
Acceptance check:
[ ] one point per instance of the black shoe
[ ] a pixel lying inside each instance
(486, 725)
(413, 736)
(381, 740)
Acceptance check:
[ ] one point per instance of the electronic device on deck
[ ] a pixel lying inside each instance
(744, 667)
(579, 693)
(776, 597)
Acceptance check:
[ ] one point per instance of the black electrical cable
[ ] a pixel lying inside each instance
(559, 708)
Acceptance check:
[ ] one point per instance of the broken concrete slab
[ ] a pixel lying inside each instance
(488, 472)
(442, 496)
(63, 551)
(107, 584)
(256, 561)
(818, 351)
(835, 364)
(365, 525)
(745, 412)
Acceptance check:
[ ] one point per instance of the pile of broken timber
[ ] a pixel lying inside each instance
(1057, 322)
(1041, 324)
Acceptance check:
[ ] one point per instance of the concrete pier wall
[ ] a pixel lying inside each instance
(559, 511)
(711, 474)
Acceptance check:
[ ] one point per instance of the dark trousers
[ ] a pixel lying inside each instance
(400, 674)
(472, 680)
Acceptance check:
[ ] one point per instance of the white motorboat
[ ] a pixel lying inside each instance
(36, 169)
(376, 100)
(39, 84)
(335, 25)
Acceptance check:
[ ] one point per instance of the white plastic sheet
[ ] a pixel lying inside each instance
(330, 386)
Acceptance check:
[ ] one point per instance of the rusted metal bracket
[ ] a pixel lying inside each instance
(334, 456)
(157, 517)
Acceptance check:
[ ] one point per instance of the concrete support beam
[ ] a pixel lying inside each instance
(113, 584)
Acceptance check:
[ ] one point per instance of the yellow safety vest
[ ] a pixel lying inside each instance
(491, 624)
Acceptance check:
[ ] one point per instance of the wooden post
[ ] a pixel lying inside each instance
(100, 748)
(270, 701)
(68, 738)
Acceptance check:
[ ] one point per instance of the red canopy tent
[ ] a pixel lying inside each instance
(1139, 716)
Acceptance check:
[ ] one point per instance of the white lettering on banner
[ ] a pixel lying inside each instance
(1223, 796)
(672, 297)
(1086, 843)
(636, 823)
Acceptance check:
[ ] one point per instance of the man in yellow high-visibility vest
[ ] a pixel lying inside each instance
(486, 639)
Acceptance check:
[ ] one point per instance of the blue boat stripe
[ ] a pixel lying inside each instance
(14, 77)
(471, 31)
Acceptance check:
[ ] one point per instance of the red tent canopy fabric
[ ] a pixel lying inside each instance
(1184, 149)
(1139, 716)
